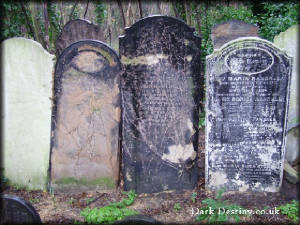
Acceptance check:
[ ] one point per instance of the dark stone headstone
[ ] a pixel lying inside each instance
(247, 95)
(15, 210)
(86, 116)
(160, 100)
(78, 30)
(230, 30)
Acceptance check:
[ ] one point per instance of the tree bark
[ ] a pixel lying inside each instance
(36, 22)
(46, 38)
(187, 12)
(73, 9)
(86, 9)
(122, 13)
(29, 26)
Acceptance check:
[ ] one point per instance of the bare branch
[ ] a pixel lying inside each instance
(73, 9)
(27, 20)
(86, 9)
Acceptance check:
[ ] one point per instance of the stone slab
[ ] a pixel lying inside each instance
(289, 41)
(78, 30)
(26, 116)
(15, 210)
(247, 93)
(86, 116)
(160, 101)
(230, 30)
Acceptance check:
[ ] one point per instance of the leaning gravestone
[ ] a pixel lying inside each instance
(86, 118)
(247, 94)
(26, 117)
(288, 41)
(78, 30)
(230, 30)
(160, 100)
(15, 210)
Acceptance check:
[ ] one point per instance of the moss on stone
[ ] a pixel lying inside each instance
(106, 182)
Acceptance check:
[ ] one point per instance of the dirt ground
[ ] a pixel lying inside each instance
(64, 208)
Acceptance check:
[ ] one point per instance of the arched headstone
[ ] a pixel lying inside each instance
(86, 116)
(230, 30)
(160, 100)
(15, 210)
(247, 93)
(78, 30)
(26, 117)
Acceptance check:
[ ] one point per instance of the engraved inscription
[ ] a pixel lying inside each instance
(246, 116)
(249, 61)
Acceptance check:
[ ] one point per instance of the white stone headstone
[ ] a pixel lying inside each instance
(26, 117)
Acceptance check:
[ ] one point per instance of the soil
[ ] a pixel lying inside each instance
(64, 208)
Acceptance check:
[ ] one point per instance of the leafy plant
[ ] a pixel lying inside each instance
(112, 212)
(202, 119)
(215, 206)
(291, 210)
(177, 206)
(194, 196)
(89, 200)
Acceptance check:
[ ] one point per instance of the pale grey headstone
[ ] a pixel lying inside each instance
(27, 79)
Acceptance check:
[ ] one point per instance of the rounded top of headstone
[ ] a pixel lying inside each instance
(158, 19)
(76, 30)
(25, 45)
(230, 30)
(16, 210)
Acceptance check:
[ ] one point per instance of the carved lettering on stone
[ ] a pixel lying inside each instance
(247, 95)
(160, 99)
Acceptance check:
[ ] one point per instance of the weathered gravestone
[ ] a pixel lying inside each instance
(26, 117)
(289, 41)
(86, 118)
(230, 30)
(248, 83)
(15, 210)
(160, 99)
(78, 30)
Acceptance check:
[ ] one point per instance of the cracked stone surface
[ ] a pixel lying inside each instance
(230, 30)
(26, 116)
(248, 83)
(78, 30)
(160, 101)
(86, 117)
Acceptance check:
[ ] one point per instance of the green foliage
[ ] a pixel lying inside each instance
(277, 17)
(110, 213)
(202, 119)
(215, 205)
(177, 206)
(13, 19)
(291, 210)
(194, 196)
(100, 11)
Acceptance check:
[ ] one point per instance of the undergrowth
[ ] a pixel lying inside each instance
(110, 213)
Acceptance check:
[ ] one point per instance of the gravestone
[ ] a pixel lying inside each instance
(230, 30)
(78, 30)
(86, 116)
(247, 94)
(15, 210)
(289, 41)
(160, 100)
(26, 117)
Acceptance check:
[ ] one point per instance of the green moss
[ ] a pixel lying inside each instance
(106, 182)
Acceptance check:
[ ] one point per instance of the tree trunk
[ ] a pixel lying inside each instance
(46, 39)
(33, 8)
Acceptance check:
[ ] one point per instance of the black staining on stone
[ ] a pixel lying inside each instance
(160, 99)
(246, 115)
(86, 113)
(15, 210)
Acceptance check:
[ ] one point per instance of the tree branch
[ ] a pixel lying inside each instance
(73, 9)
(29, 26)
(86, 9)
